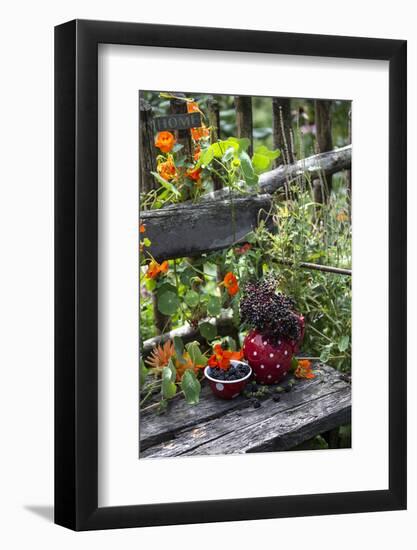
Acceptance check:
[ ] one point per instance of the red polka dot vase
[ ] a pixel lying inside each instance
(270, 362)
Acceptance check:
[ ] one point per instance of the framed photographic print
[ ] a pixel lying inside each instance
(230, 275)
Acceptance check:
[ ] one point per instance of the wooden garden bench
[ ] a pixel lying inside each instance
(217, 427)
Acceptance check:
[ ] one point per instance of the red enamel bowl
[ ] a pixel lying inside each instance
(227, 389)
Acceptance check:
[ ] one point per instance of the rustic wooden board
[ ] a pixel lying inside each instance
(228, 427)
(189, 230)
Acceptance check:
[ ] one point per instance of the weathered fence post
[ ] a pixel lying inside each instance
(244, 123)
(213, 115)
(282, 130)
(177, 107)
(323, 187)
(146, 147)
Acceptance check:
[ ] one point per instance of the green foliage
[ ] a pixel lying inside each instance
(263, 158)
(168, 388)
(191, 387)
(168, 303)
(207, 331)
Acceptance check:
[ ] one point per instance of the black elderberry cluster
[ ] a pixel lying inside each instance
(268, 311)
(235, 372)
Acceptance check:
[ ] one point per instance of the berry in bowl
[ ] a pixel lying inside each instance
(227, 375)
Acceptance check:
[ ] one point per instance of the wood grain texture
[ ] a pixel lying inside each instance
(229, 427)
(190, 230)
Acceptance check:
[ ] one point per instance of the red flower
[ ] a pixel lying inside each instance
(231, 284)
(243, 249)
(221, 358)
(304, 369)
(155, 269)
(194, 174)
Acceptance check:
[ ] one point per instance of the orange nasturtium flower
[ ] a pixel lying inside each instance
(155, 269)
(142, 228)
(167, 170)
(185, 363)
(200, 133)
(221, 358)
(197, 153)
(304, 369)
(165, 141)
(194, 173)
(192, 107)
(230, 283)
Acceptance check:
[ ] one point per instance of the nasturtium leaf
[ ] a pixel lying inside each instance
(173, 370)
(263, 157)
(146, 242)
(206, 156)
(186, 275)
(343, 343)
(229, 154)
(195, 354)
(247, 169)
(143, 371)
(166, 184)
(168, 303)
(165, 287)
(242, 143)
(168, 388)
(207, 331)
(191, 387)
(191, 298)
(179, 347)
(214, 306)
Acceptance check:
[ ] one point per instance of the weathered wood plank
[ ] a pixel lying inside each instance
(189, 230)
(221, 427)
(155, 429)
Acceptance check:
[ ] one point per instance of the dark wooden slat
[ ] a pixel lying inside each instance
(312, 407)
(155, 429)
(189, 230)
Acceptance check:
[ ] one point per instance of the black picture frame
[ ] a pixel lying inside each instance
(76, 271)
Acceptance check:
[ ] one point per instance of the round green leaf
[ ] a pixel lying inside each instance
(168, 303)
(168, 388)
(191, 387)
(191, 298)
(214, 306)
(207, 331)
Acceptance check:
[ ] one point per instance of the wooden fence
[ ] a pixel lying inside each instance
(221, 218)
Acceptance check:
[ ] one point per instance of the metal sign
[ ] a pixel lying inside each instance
(177, 122)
